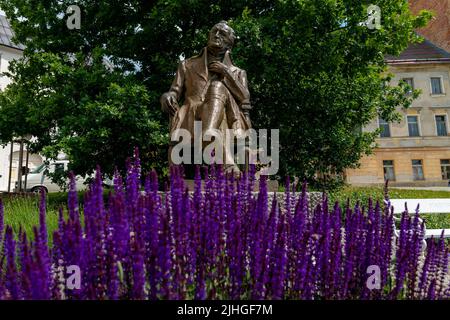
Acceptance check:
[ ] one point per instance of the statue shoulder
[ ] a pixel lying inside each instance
(192, 61)
(237, 70)
(196, 57)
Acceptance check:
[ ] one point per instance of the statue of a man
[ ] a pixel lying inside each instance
(213, 90)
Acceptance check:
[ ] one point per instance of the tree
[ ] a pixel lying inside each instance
(315, 72)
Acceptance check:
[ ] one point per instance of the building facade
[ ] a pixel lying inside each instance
(416, 150)
(9, 52)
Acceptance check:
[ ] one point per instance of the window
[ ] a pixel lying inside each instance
(417, 170)
(436, 86)
(384, 126)
(59, 168)
(441, 127)
(409, 82)
(388, 168)
(38, 169)
(445, 169)
(413, 126)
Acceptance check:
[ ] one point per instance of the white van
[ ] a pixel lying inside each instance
(38, 178)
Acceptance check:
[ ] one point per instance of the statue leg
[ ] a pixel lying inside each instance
(213, 109)
(212, 115)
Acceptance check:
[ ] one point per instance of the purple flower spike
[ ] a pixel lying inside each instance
(222, 241)
(11, 275)
(73, 198)
(2, 225)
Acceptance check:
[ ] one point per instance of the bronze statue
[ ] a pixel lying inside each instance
(213, 90)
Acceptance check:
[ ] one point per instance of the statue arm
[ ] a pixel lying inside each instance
(169, 100)
(238, 87)
(177, 87)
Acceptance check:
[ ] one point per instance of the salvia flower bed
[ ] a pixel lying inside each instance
(224, 243)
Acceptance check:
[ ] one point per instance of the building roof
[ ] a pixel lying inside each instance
(423, 52)
(6, 34)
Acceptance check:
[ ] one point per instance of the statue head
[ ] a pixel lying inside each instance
(221, 37)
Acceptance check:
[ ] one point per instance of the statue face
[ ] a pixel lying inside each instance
(220, 37)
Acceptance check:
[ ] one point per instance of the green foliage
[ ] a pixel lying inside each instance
(55, 200)
(314, 73)
(318, 76)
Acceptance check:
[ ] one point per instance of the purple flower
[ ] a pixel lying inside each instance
(2, 225)
(221, 242)
(11, 272)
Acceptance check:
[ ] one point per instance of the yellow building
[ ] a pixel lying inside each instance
(415, 151)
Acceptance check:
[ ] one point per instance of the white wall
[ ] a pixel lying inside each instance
(6, 56)
(4, 166)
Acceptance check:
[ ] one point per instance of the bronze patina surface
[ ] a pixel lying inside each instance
(213, 90)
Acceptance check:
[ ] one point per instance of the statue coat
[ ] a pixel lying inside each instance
(191, 85)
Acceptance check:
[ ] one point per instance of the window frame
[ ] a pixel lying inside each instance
(388, 128)
(445, 123)
(421, 168)
(419, 129)
(447, 170)
(441, 83)
(388, 166)
(412, 83)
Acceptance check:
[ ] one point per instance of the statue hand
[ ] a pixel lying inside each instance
(218, 67)
(169, 103)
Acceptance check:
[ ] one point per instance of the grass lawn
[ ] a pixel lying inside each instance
(23, 210)
(362, 194)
